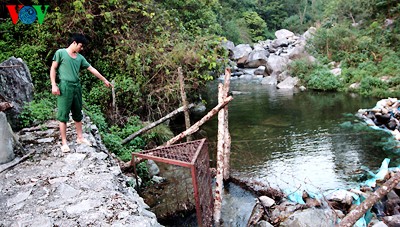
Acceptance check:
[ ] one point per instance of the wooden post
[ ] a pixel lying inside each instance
(184, 102)
(154, 124)
(194, 128)
(114, 106)
(220, 159)
(352, 217)
(227, 136)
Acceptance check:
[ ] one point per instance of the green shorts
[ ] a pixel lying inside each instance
(69, 100)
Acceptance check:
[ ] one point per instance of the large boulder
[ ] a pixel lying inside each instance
(309, 33)
(241, 50)
(310, 217)
(276, 64)
(7, 142)
(284, 34)
(16, 87)
(288, 83)
(257, 58)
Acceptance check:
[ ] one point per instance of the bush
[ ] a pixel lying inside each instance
(323, 79)
(373, 86)
(37, 112)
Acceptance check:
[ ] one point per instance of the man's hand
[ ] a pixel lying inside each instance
(107, 83)
(55, 90)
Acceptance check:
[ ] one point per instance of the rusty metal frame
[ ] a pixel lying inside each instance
(192, 155)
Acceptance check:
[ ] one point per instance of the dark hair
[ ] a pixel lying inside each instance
(78, 38)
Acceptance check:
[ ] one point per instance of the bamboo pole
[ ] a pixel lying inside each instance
(227, 136)
(194, 128)
(352, 217)
(184, 102)
(220, 158)
(154, 124)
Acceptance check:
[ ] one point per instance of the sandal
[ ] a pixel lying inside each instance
(65, 148)
(84, 141)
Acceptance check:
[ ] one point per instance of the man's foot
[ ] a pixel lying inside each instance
(84, 141)
(65, 148)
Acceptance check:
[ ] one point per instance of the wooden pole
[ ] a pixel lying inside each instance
(220, 159)
(227, 136)
(154, 124)
(114, 106)
(352, 217)
(194, 128)
(184, 102)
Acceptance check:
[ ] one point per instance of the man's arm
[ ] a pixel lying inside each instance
(98, 75)
(54, 87)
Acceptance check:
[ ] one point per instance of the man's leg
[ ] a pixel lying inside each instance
(63, 132)
(78, 126)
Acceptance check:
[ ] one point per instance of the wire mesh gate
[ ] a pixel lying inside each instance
(192, 155)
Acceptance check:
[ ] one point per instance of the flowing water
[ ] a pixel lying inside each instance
(291, 139)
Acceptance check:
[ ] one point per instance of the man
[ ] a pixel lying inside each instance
(67, 63)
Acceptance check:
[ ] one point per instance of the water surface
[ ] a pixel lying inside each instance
(291, 139)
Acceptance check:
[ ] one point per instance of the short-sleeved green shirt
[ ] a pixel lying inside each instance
(68, 67)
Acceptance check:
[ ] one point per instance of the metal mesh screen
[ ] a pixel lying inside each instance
(192, 155)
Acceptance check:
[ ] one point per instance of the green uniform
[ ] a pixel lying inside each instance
(70, 98)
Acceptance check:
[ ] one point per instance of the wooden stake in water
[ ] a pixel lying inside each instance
(223, 147)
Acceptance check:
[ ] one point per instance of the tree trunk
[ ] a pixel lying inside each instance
(184, 102)
(352, 217)
(154, 124)
(194, 128)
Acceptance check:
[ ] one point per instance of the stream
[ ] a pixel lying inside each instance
(292, 140)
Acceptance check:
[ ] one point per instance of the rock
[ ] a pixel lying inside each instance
(302, 88)
(298, 52)
(241, 50)
(288, 83)
(246, 77)
(309, 217)
(342, 196)
(7, 141)
(279, 43)
(309, 33)
(84, 187)
(283, 34)
(355, 86)
(336, 71)
(257, 58)
(229, 45)
(282, 76)
(16, 87)
(388, 22)
(380, 224)
(276, 64)
(260, 70)
(392, 220)
(152, 168)
(270, 80)
(263, 224)
(266, 201)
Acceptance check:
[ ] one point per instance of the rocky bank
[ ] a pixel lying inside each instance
(84, 187)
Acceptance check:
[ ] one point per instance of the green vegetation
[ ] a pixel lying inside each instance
(141, 44)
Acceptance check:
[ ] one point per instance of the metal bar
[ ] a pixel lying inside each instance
(164, 160)
(196, 155)
(196, 195)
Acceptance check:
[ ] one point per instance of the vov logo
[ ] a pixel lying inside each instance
(27, 14)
